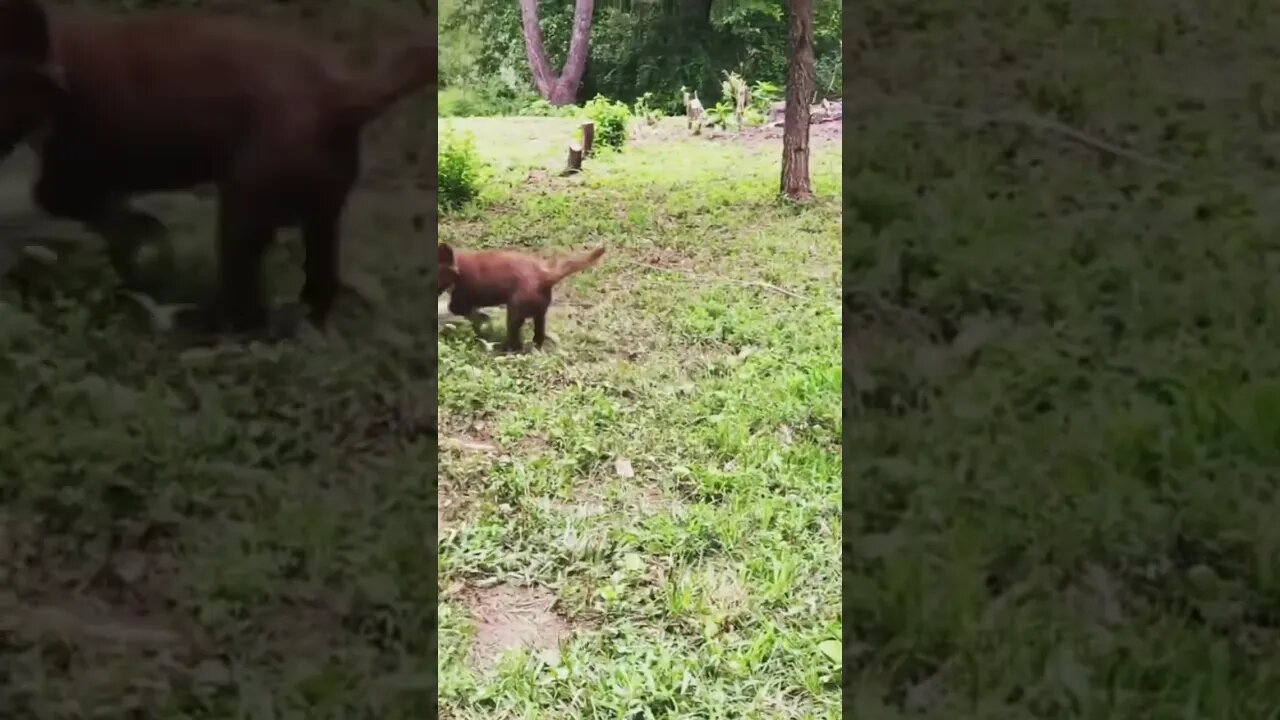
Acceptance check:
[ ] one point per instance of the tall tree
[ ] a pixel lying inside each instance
(800, 82)
(557, 89)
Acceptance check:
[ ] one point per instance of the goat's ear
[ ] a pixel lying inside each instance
(24, 32)
(444, 254)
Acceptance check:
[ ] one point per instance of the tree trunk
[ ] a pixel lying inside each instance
(561, 89)
(800, 82)
(588, 137)
(574, 163)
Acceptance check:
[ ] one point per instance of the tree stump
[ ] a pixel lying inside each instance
(574, 164)
(588, 137)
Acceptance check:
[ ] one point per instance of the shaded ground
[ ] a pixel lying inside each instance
(237, 531)
(1060, 407)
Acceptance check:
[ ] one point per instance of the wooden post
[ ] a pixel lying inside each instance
(588, 137)
(575, 160)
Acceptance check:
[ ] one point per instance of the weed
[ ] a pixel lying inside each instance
(720, 114)
(542, 108)
(646, 110)
(611, 119)
(461, 170)
(763, 95)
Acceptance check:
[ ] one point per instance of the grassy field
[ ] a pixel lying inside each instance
(227, 532)
(1063, 413)
(643, 520)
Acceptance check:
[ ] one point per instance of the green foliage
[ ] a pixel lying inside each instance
(764, 94)
(829, 75)
(652, 47)
(542, 108)
(461, 170)
(643, 109)
(504, 93)
(611, 118)
(456, 102)
(720, 114)
(731, 84)
(459, 48)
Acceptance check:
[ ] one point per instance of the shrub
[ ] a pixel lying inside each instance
(645, 110)
(763, 95)
(611, 119)
(500, 95)
(462, 170)
(720, 114)
(542, 108)
(455, 102)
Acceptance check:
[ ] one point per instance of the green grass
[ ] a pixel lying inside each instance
(238, 531)
(511, 144)
(662, 485)
(1062, 410)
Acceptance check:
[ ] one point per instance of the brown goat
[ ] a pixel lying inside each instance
(117, 106)
(488, 278)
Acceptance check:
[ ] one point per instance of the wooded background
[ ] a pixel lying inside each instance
(637, 46)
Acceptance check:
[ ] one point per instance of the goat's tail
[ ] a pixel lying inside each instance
(568, 267)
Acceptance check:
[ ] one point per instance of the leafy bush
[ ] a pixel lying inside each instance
(645, 110)
(611, 119)
(542, 108)
(731, 84)
(456, 102)
(763, 95)
(720, 114)
(500, 95)
(462, 170)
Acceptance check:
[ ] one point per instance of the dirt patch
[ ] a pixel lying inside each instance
(647, 498)
(668, 259)
(819, 134)
(466, 445)
(508, 617)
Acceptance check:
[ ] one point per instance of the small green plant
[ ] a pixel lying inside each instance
(539, 108)
(720, 114)
(737, 95)
(462, 170)
(542, 108)
(500, 95)
(454, 102)
(611, 118)
(645, 110)
(763, 95)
